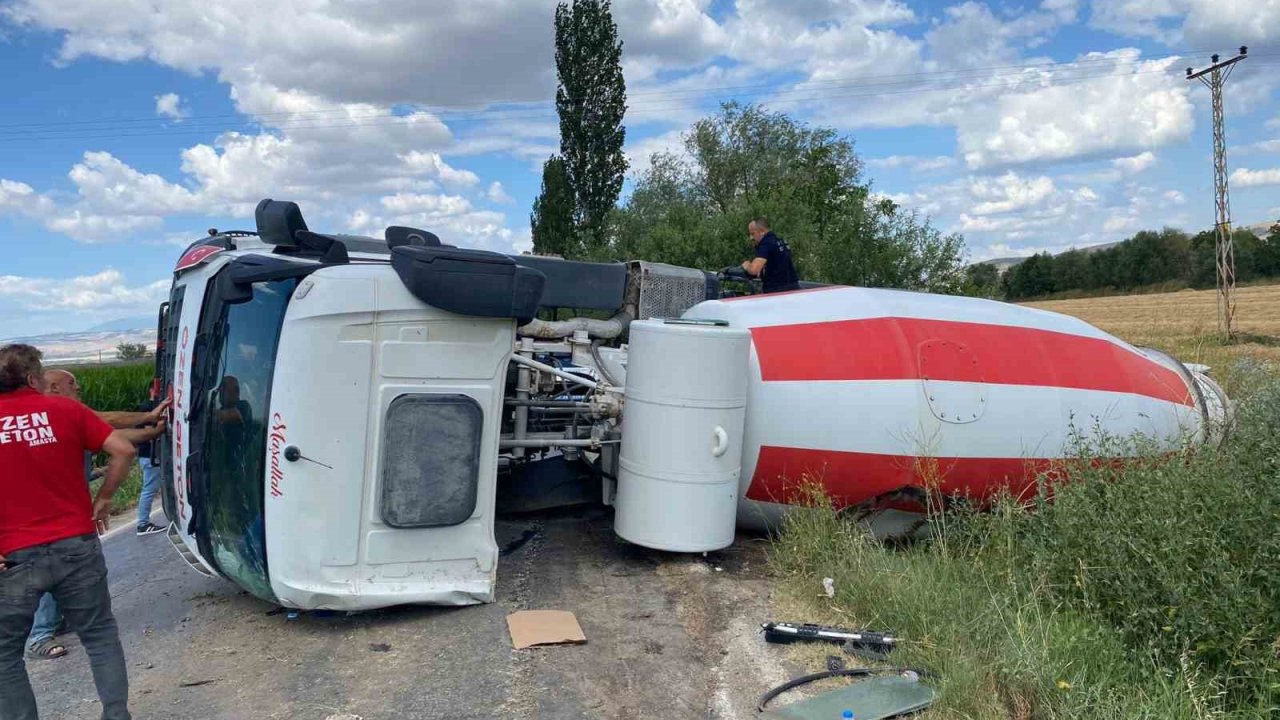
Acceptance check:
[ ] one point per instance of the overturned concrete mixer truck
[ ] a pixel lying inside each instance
(350, 414)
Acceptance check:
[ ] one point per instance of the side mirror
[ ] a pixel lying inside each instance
(231, 292)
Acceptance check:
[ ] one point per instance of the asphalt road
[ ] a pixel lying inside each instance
(668, 637)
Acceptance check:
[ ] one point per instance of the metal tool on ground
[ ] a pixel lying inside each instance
(792, 632)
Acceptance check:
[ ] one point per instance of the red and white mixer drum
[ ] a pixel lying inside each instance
(870, 393)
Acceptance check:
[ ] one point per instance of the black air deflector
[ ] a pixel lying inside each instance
(469, 282)
(279, 222)
(330, 249)
(579, 285)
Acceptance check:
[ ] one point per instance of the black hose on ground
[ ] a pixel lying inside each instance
(849, 672)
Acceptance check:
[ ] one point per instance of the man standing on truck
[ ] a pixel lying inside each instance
(772, 263)
(49, 527)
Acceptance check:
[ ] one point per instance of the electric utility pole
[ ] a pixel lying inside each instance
(1214, 77)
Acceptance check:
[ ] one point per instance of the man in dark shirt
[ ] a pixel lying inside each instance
(772, 263)
(48, 530)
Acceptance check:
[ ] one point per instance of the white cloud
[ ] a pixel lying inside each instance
(1245, 177)
(497, 194)
(973, 37)
(1117, 223)
(21, 199)
(1017, 214)
(105, 291)
(640, 152)
(328, 168)
(452, 217)
(1009, 192)
(914, 163)
(1198, 23)
(1175, 197)
(1135, 164)
(1263, 146)
(170, 105)
(827, 38)
(432, 165)
(123, 194)
(1134, 108)
(407, 203)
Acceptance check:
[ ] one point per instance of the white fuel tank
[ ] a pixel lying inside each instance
(681, 459)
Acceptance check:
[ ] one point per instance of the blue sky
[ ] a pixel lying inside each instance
(129, 128)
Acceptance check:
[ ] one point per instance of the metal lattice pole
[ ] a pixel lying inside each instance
(1214, 77)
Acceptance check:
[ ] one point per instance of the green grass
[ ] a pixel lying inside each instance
(126, 496)
(1148, 591)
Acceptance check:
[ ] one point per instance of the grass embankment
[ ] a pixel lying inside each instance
(117, 387)
(1148, 591)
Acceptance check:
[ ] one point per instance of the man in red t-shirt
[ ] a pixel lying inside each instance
(48, 530)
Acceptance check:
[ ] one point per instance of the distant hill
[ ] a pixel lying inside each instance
(86, 347)
(125, 325)
(1262, 229)
(1004, 263)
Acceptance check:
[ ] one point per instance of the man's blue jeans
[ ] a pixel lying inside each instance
(47, 617)
(76, 573)
(150, 487)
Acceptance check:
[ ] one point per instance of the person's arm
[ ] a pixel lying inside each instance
(120, 454)
(755, 266)
(122, 420)
(137, 436)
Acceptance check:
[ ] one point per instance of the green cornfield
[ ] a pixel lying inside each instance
(116, 386)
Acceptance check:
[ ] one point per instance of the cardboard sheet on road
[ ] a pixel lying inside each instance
(544, 627)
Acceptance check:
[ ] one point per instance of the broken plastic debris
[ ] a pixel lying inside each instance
(544, 627)
(829, 587)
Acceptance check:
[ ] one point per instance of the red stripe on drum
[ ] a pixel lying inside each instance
(893, 348)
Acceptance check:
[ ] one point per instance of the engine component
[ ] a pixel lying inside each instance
(682, 438)
(658, 290)
(549, 330)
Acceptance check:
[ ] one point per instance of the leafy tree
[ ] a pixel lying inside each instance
(1204, 268)
(1072, 269)
(744, 162)
(982, 280)
(1269, 253)
(131, 351)
(591, 102)
(552, 218)
(1031, 277)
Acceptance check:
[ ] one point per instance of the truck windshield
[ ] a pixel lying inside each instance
(235, 419)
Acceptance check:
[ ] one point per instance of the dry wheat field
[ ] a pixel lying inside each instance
(1184, 324)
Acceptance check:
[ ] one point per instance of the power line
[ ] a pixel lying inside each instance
(486, 109)
(655, 107)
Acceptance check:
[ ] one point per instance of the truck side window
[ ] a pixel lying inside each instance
(430, 460)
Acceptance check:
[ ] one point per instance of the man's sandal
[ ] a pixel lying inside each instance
(47, 649)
